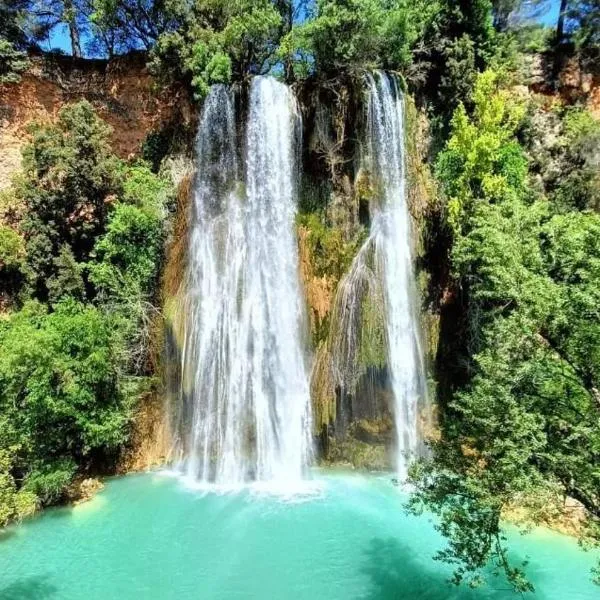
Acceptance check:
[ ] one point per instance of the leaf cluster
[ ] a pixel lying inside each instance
(80, 266)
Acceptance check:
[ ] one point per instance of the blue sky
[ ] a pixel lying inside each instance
(59, 37)
(549, 12)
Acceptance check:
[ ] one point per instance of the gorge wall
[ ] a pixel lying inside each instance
(121, 90)
(332, 222)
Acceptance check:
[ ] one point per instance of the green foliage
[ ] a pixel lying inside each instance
(61, 400)
(579, 186)
(47, 482)
(12, 62)
(70, 371)
(154, 148)
(330, 253)
(70, 176)
(564, 148)
(526, 421)
(217, 40)
(146, 190)
(12, 263)
(482, 158)
(66, 280)
(14, 505)
(343, 33)
(583, 23)
(351, 34)
(128, 255)
(12, 249)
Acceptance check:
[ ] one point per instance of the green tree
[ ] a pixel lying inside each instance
(359, 34)
(525, 423)
(12, 264)
(47, 14)
(12, 62)
(70, 178)
(217, 41)
(61, 401)
(90, 244)
(13, 40)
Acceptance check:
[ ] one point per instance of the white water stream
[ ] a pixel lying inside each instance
(391, 234)
(243, 363)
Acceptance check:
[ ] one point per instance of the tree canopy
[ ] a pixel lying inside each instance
(78, 263)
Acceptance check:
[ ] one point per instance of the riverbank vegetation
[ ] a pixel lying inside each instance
(82, 240)
(516, 240)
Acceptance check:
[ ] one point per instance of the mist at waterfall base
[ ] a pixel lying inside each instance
(245, 407)
(150, 537)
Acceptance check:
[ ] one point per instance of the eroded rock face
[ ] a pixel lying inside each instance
(83, 490)
(334, 186)
(352, 398)
(149, 443)
(121, 90)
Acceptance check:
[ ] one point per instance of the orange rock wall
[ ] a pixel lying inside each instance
(121, 90)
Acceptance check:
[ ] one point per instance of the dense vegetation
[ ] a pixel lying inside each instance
(80, 252)
(523, 427)
(519, 195)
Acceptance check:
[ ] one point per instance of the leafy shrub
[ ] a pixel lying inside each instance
(524, 423)
(12, 62)
(66, 280)
(14, 505)
(128, 255)
(214, 42)
(12, 249)
(12, 263)
(61, 399)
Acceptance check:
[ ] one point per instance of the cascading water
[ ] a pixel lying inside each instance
(391, 234)
(246, 392)
(376, 297)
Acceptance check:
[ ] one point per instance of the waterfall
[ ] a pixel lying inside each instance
(374, 320)
(244, 381)
(391, 233)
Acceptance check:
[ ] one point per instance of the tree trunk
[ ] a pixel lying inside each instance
(71, 18)
(560, 26)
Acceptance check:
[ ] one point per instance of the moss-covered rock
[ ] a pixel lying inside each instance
(358, 454)
(325, 256)
(372, 350)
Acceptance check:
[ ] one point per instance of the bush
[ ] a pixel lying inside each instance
(92, 231)
(12, 62)
(14, 505)
(12, 250)
(12, 263)
(128, 255)
(62, 401)
(525, 419)
(240, 39)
